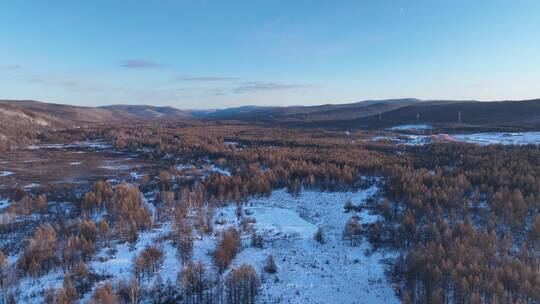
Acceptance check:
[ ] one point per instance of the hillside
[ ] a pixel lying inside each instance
(60, 113)
(22, 120)
(373, 114)
(524, 114)
(19, 124)
(307, 113)
(146, 111)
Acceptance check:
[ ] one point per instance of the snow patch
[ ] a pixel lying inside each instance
(414, 127)
(4, 203)
(219, 170)
(522, 138)
(117, 167)
(90, 144)
(275, 221)
(6, 173)
(31, 186)
(136, 175)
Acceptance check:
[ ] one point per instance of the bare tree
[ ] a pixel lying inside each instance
(242, 285)
(227, 248)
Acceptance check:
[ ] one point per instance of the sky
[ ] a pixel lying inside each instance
(215, 54)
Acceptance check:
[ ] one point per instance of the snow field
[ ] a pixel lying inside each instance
(308, 272)
(523, 138)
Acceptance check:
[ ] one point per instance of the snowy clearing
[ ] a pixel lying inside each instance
(309, 272)
(523, 138)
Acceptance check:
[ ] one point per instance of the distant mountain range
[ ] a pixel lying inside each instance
(373, 114)
(21, 120)
(447, 114)
(308, 113)
(28, 116)
(146, 112)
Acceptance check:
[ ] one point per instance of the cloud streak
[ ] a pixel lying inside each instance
(206, 78)
(140, 64)
(257, 86)
(10, 67)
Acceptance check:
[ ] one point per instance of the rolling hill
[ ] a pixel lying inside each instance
(373, 114)
(146, 111)
(307, 113)
(523, 114)
(21, 120)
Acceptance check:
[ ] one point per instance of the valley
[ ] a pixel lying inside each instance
(337, 225)
(269, 152)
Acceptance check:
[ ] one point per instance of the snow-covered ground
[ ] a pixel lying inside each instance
(31, 186)
(309, 272)
(408, 140)
(6, 173)
(117, 165)
(414, 127)
(4, 202)
(214, 168)
(90, 144)
(522, 138)
(488, 138)
(204, 169)
(135, 175)
(121, 262)
(114, 168)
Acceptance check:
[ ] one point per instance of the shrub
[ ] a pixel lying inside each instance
(227, 248)
(270, 265)
(352, 230)
(319, 236)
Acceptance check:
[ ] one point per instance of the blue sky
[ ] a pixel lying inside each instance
(210, 54)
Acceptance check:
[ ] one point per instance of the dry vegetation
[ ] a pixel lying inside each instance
(462, 218)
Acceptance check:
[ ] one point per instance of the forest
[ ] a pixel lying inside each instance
(461, 220)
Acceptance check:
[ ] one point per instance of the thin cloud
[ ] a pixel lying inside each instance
(254, 86)
(34, 78)
(10, 67)
(68, 82)
(217, 92)
(140, 64)
(207, 78)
